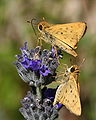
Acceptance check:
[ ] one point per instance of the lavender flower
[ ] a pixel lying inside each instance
(44, 70)
(37, 65)
(37, 68)
(34, 109)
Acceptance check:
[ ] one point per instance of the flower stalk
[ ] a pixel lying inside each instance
(38, 91)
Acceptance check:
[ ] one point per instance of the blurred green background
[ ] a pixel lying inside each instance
(14, 31)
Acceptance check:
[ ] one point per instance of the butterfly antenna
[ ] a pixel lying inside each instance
(61, 75)
(82, 62)
(33, 26)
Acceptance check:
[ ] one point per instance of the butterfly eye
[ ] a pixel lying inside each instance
(40, 27)
(72, 69)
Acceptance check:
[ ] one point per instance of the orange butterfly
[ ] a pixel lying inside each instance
(68, 92)
(65, 36)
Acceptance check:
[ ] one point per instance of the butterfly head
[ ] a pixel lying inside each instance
(42, 26)
(74, 69)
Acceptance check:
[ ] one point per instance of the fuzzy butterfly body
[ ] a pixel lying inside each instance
(68, 92)
(65, 36)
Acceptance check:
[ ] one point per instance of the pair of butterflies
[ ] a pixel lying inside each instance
(66, 37)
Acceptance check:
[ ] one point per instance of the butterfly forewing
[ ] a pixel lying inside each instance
(68, 95)
(68, 33)
(65, 47)
(68, 92)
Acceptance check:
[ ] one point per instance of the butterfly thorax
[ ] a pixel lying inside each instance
(43, 25)
(45, 35)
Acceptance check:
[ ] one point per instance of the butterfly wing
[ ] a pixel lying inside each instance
(68, 95)
(64, 46)
(70, 34)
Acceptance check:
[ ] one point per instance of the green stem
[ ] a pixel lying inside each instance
(39, 94)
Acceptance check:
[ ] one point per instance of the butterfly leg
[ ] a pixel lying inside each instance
(39, 41)
(59, 81)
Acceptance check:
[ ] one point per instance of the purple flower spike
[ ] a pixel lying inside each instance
(44, 70)
(25, 46)
(35, 65)
(41, 63)
(25, 51)
(26, 62)
(31, 64)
